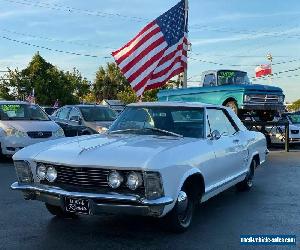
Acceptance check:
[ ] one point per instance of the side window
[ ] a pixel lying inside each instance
(209, 80)
(74, 112)
(218, 120)
(63, 113)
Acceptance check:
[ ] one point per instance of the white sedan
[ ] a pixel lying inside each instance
(23, 124)
(158, 159)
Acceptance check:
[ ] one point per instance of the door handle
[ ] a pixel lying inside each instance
(236, 141)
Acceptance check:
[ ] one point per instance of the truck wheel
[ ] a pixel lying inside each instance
(59, 212)
(232, 105)
(247, 183)
(266, 116)
(180, 218)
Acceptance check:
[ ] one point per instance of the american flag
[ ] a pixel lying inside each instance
(157, 53)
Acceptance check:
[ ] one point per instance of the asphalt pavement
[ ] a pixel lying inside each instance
(271, 207)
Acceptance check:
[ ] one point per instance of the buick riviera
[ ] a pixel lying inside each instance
(157, 159)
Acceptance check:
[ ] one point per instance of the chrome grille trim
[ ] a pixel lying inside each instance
(88, 178)
(264, 98)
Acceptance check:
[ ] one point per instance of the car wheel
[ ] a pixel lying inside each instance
(59, 212)
(86, 132)
(232, 105)
(2, 156)
(247, 183)
(180, 218)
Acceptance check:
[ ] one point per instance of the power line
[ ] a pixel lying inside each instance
(52, 39)
(72, 10)
(47, 48)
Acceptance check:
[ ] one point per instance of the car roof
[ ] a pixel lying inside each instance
(15, 102)
(173, 104)
(86, 105)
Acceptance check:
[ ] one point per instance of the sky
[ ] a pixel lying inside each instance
(225, 34)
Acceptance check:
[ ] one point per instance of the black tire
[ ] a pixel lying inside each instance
(59, 212)
(247, 183)
(178, 220)
(233, 105)
(266, 116)
(86, 132)
(2, 156)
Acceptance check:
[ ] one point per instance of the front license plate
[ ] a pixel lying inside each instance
(79, 206)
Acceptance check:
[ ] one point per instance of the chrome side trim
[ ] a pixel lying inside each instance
(109, 196)
(225, 182)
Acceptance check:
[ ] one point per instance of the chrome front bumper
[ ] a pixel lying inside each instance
(262, 106)
(99, 203)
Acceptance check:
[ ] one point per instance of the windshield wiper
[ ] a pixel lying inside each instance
(152, 129)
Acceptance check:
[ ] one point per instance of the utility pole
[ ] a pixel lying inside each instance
(270, 58)
(186, 12)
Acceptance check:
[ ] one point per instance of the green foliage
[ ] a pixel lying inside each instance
(127, 96)
(109, 82)
(295, 106)
(48, 82)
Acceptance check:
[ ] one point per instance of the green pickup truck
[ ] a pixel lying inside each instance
(232, 88)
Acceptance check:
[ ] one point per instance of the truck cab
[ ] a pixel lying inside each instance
(231, 88)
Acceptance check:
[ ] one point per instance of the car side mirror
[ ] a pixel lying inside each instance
(215, 135)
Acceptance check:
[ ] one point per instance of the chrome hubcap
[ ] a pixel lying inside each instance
(182, 202)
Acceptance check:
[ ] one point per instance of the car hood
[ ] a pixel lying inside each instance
(113, 151)
(94, 125)
(26, 126)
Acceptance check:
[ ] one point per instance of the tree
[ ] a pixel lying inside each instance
(295, 106)
(48, 82)
(109, 82)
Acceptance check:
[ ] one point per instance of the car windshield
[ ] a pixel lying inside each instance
(295, 118)
(229, 77)
(166, 121)
(97, 114)
(22, 112)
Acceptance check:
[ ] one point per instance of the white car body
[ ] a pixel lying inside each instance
(221, 163)
(29, 132)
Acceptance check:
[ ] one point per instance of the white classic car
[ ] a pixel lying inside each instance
(158, 159)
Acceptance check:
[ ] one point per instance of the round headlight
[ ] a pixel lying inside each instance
(114, 179)
(51, 174)
(41, 172)
(134, 180)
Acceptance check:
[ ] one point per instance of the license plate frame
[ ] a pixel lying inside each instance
(77, 205)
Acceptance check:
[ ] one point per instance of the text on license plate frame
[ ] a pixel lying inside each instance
(77, 205)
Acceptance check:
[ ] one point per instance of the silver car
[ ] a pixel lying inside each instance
(84, 119)
(23, 124)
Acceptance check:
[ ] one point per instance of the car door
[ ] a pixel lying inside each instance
(74, 121)
(62, 119)
(229, 152)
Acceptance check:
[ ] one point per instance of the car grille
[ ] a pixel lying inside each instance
(264, 98)
(39, 134)
(294, 132)
(89, 179)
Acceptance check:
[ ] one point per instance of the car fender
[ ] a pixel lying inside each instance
(179, 184)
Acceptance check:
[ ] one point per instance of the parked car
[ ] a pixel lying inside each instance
(277, 133)
(158, 159)
(232, 88)
(84, 119)
(23, 124)
(49, 110)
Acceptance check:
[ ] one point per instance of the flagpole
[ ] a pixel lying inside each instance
(186, 5)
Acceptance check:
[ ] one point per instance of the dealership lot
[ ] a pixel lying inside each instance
(272, 207)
